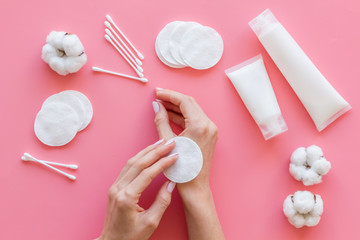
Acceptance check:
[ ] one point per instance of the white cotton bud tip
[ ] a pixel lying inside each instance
(140, 55)
(64, 52)
(138, 62)
(303, 209)
(107, 37)
(107, 24)
(109, 18)
(309, 165)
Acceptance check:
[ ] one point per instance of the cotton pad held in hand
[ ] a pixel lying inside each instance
(189, 162)
(56, 124)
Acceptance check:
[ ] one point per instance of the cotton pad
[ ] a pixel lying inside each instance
(176, 37)
(162, 44)
(180, 44)
(56, 124)
(189, 162)
(86, 105)
(201, 47)
(72, 101)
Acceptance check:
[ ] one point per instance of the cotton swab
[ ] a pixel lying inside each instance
(113, 23)
(96, 69)
(108, 25)
(55, 169)
(123, 50)
(130, 63)
(28, 157)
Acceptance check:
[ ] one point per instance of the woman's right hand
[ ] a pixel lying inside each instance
(200, 211)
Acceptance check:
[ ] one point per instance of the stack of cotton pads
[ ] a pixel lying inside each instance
(61, 116)
(181, 44)
(189, 162)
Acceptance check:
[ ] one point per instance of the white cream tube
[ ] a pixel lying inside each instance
(321, 100)
(253, 85)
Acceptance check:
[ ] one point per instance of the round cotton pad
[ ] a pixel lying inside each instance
(86, 104)
(189, 162)
(201, 47)
(175, 39)
(162, 43)
(166, 62)
(72, 101)
(56, 124)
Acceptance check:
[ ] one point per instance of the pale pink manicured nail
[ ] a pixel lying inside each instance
(156, 106)
(173, 154)
(170, 187)
(158, 89)
(158, 142)
(169, 142)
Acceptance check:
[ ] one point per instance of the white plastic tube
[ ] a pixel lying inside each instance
(253, 85)
(321, 100)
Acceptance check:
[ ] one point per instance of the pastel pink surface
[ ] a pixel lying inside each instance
(249, 176)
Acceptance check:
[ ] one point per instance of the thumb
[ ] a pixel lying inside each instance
(162, 121)
(162, 201)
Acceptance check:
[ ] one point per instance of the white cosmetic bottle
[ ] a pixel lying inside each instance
(321, 100)
(253, 85)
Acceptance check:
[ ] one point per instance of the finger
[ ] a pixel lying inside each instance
(177, 119)
(140, 183)
(170, 106)
(162, 122)
(138, 156)
(186, 104)
(144, 162)
(162, 201)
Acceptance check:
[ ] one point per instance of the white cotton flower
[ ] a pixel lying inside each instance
(64, 52)
(309, 165)
(303, 209)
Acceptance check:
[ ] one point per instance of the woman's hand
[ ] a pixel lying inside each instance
(125, 219)
(201, 216)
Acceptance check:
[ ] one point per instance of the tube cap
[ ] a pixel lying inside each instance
(263, 22)
(273, 126)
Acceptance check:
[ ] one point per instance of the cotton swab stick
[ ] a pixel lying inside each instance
(123, 50)
(55, 169)
(108, 25)
(96, 69)
(130, 63)
(113, 23)
(28, 157)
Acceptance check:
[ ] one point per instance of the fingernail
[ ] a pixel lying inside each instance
(156, 106)
(159, 89)
(158, 142)
(169, 142)
(170, 187)
(172, 155)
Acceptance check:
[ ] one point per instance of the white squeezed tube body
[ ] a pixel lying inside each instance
(321, 100)
(253, 85)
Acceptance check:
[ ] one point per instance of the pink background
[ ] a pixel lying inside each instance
(249, 177)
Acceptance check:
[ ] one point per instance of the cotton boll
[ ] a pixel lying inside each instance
(321, 166)
(314, 153)
(73, 64)
(309, 165)
(297, 171)
(303, 209)
(312, 221)
(48, 52)
(297, 221)
(310, 177)
(56, 39)
(288, 207)
(72, 45)
(303, 201)
(64, 52)
(58, 65)
(299, 156)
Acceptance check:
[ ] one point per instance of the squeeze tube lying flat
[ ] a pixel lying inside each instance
(321, 100)
(253, 85)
